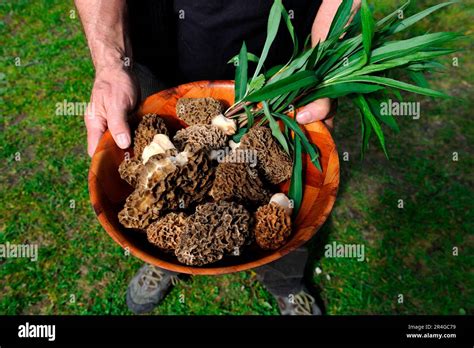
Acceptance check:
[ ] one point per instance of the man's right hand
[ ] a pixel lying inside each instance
(115, 90)
(113, 96)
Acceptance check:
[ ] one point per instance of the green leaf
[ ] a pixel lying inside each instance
(395, 84)
(394, 15)
(398, 62)
(396, 49)
(241, 74)
(250, 117)
(291, 30)
(272, 71)
(364, 108)
(288, 70)
(314, 56)
(340, 19)
(375, 106)
(426, 66)
(339, 90)
(368, 26)
(275, 128)
(354, 67)
(288, 136)
(418, 78)
(237, 136)
(299, 80)
(257, 83)
(308, 146)
(296, 184)
(366, 133)
(272, 29)
(403, 24)
(250, 57)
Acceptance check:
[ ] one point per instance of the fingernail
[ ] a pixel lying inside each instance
(304, 117)
(123, 140)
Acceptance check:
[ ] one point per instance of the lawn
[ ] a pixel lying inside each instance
(80, 270)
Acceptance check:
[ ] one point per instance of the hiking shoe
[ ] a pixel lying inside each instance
(301, 303)
(148, 287)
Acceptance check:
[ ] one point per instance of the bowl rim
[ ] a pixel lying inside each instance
(116, 234)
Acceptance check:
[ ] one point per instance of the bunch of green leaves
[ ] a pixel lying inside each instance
(359, 59)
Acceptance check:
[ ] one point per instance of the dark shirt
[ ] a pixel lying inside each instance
(190, 40)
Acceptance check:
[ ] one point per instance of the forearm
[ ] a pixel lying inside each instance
(324, 18)
(105, 26)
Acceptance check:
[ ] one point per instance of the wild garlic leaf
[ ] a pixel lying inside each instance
(365, 110)
(241, 74)
(275, 128)
(308, 147)
(340, 19)
(340, 90)
(250, 57)
(296, 184)
(368, 28)
(299, 80)
(272, 29)
(396, 84)
(405, 23)
(388, 119)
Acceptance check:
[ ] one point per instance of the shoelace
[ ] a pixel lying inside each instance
(304, 303)
(153, 276)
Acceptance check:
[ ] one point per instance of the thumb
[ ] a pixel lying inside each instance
(315, 111)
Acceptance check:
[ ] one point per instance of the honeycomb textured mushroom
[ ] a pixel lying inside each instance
(214, 230)
(198, 110)
(137, 212)
(240, 182)
(167, 183)
(149, 126)
(199, 137)
(129, 170)
(166, 232)
(273, 161)
(272, 226)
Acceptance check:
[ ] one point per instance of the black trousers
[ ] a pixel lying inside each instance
(281, 277)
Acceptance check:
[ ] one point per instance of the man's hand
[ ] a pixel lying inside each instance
(322, 109)
(115, 90)
(114, 94)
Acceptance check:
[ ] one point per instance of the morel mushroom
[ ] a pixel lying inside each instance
(167, 183)
(198, 110)
(240, 182)
(215, 229)
(149, 126)
(129, 170)
(166, 232)
(199, 137)
(273, 161)
(273, 223)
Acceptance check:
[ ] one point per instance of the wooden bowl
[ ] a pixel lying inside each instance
(108, 191)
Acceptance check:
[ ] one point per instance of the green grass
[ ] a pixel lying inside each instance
(409, 250)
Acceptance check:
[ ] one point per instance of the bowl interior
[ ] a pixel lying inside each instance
(108, 191)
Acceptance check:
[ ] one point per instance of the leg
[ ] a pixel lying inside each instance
(284, 280)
